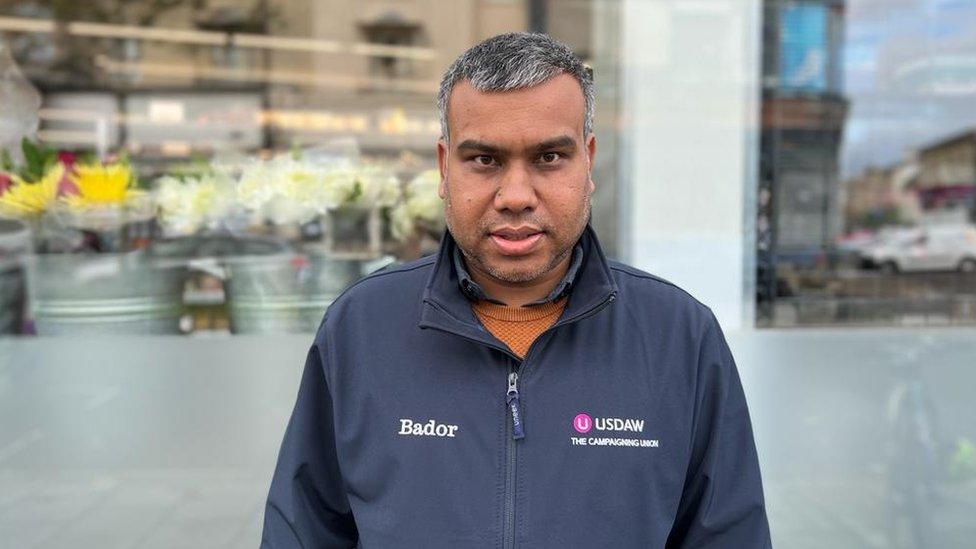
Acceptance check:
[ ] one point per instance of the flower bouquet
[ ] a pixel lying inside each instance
(190, 204)
(358, 223)
(28, 191)
(90, 225)
(417, 219)
(329, 208)
(333, 204)
(102, 205)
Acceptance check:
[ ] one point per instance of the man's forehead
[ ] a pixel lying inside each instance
(550, 109)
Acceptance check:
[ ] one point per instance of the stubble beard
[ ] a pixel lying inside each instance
(472, 257)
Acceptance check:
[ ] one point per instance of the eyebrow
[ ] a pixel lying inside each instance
(478, 146)
(473, 145)
(561, 142)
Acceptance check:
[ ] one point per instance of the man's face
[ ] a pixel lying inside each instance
(515, 177)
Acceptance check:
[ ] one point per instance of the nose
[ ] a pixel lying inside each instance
(516, 191)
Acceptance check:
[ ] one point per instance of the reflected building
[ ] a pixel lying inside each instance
(880, 196)
(947, 178)
(803, 113)
(935, 184)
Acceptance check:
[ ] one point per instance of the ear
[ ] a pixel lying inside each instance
(590, 155)
(442, 158)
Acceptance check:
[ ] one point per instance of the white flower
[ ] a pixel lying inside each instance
(401, 224)
(187, 206)
(421, 203)
(377, 187)
(254, 188)
(286, 190)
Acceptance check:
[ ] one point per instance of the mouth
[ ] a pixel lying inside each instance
(516, 241)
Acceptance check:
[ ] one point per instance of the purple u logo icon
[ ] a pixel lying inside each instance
(582, 423)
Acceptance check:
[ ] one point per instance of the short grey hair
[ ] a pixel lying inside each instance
(514, 61)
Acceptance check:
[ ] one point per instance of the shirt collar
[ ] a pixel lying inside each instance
(444, 307)
(473, 291)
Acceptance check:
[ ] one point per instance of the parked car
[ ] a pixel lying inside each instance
(936, 248)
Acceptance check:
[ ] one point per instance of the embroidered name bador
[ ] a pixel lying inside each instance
(409, 427)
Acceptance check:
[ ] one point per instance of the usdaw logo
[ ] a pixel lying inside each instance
(584, 423)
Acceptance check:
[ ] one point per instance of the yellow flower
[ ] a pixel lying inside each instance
(99, 184)
(30, 199)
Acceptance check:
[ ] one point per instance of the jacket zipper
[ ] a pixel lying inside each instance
(512, 397)
(515, 429)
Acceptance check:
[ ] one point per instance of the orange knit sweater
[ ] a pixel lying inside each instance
(518, 327)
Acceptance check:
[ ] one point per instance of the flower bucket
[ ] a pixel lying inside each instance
(114, 228)
(15, 242)
(286, 293)
(106, 293)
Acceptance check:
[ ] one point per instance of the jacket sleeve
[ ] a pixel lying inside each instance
(722, 504)
(307, 505)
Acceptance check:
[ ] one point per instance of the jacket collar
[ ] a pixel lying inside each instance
(446, 308)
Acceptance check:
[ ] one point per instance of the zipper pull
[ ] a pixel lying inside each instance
(512, 397)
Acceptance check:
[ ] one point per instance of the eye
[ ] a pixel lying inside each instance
(550, 157)
(484, 160)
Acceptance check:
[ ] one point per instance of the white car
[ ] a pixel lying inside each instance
(937, 248)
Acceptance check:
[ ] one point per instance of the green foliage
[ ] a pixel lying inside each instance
(38, 158)
(357, 191)
(87, 157)
(6, 162)
(198, 166)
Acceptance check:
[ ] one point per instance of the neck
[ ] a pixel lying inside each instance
(518, 294)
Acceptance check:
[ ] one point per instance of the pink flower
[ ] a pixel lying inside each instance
(68, 159)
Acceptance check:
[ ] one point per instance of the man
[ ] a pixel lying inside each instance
(517, 389)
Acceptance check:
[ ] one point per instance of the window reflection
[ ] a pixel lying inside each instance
(867, 140)
(265, 155)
